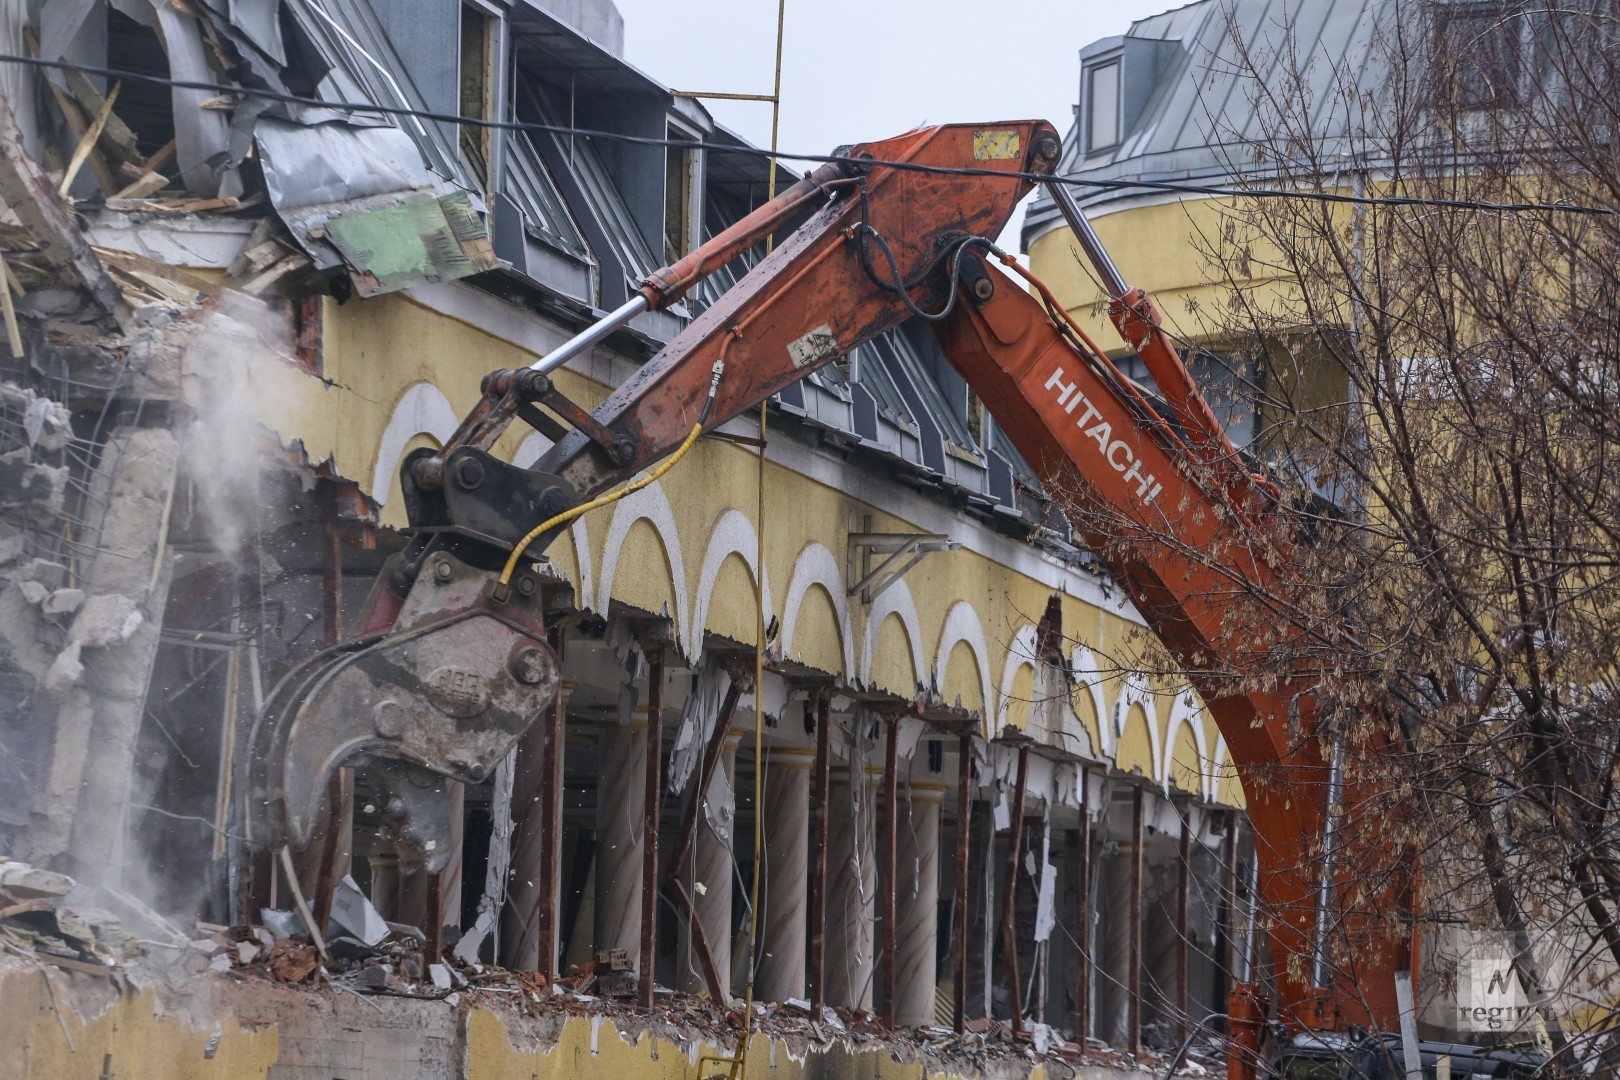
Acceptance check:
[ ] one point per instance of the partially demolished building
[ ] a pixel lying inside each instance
(252, 261)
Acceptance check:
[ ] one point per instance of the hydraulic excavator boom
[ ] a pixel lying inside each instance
(450, 661)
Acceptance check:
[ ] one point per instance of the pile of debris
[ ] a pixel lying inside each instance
(364, 954)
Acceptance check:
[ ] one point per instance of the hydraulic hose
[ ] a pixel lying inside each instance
(613, 496)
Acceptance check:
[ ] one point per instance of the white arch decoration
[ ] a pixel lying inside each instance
(1217, 765)
(1187, 711)
(421, 410)
(1083, 666)
(530, 449)
(1134, 690)
(651, 505)
(1020, 654)
(894, 600)
(733, 534)
(962, 624)
(817, 566)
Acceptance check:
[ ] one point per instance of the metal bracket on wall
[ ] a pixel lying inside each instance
(904, 550)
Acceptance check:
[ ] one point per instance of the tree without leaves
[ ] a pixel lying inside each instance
(1438, 395)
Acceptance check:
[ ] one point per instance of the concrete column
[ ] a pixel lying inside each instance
(787, 857)
(710, 866)
(620, 798)
(385, 884)
(851, 890)
(916, 933)
(532, 793)
(1114, 948)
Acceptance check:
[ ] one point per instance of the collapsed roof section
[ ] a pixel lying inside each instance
(379, 196)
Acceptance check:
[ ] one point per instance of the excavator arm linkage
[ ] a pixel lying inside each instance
(450, 663)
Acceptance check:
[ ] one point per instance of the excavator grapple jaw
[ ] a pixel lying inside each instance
(443, 695)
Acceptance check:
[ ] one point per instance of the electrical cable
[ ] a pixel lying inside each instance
(613, 496)
(1166, 186)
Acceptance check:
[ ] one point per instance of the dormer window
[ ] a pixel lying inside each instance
(1478, 55)
(1102, 107)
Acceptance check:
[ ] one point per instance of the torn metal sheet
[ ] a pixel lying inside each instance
(339, 163)
(414, 243)
(352, 911)
(360, 197)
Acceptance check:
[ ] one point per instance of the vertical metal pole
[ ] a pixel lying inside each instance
(434, 917)
(816, 887)
(340, 788)
(654, 774)
(1226, 938)
(549, 894)
(1133, 981)
(964, 824)
(1009, 892)
(1082, 929)
(1183, 944)
(1324, 888)
(891, 843)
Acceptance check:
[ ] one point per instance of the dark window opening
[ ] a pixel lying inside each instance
(147, 107)
(475, 86)
(679, 164)
(1477, 56)
(1102, 107)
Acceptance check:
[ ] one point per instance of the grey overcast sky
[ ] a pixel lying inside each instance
(854, 70)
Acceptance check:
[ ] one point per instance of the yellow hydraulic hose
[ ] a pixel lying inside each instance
(613, 496)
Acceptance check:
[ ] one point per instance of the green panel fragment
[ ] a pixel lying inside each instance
(432, 239)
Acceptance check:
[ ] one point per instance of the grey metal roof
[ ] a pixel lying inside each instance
(1196, 84)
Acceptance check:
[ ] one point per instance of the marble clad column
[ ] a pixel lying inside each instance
(620, 796)
(787, 859)
(714, 871)
(916, 875)
(520, 944)
(851, 890)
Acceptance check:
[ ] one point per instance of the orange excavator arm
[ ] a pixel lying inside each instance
(452, 642)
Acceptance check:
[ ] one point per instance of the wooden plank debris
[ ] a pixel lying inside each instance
(145, 267)
(9, 310)
(39, 209)
(75, 123)
(142, 187)
(87, 141)
(174, 206)
(117, 141)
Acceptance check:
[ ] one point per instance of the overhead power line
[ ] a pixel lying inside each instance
(1168, 186)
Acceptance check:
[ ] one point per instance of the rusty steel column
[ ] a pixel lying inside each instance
(1133, 981)
(334, 855)
(1082, 927)
(1225, 931)
(1009, 891)
(816, 886)
(1183, 945)
(891, 843)
(654, 774)
(434, 917)
(547, 897)
(964, 822)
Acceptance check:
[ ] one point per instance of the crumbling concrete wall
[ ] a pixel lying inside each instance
(79, 652)
(116, 637)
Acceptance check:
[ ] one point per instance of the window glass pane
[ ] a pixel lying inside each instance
(1102, 109)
